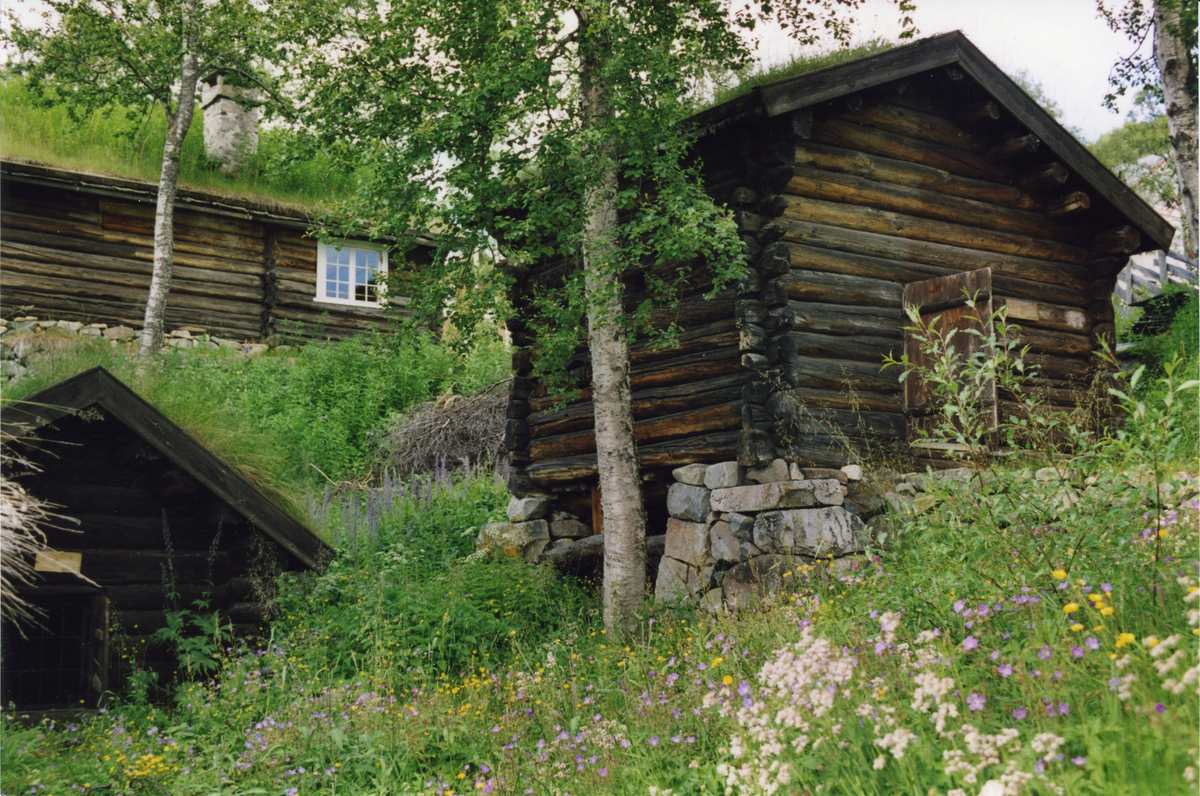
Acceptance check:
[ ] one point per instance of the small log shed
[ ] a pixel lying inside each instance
(79, 247)
(149, 500)
(922, 168)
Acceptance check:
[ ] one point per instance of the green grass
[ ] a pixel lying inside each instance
(799, 66)
(128, 143)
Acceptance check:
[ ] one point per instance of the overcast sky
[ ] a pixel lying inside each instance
(1061, 43)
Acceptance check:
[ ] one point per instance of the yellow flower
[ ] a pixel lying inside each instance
(1107, 610)
(1075, 628)
(727, 680)
(1060, 573)
(1070, 608)
(1125, 638)
(1094, 597)
(1150, 641)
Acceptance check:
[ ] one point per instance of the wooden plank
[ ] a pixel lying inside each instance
(711, 447)
(14, 264)
(805, 420)
(42, 254)
(849, 189)
(53, 226)
(125, 251)
(843, 319)
(646, 405)
(722, 417)
(848, 399)
(809, 372)
(33, 277)
(900, 172)
(866, 219)
(856, 347)
(186, 217)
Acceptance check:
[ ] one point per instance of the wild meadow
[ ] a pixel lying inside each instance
(1034, 629)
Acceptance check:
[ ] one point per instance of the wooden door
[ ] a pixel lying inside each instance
(943, 306)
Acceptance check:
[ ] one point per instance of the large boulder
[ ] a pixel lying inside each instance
(527, 508)
(778, 495)
(690, 474)
(812, 532)
(687, 502)
(687, 541)
(523, 540)
(671, 586)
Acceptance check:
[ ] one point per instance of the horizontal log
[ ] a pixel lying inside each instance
(1074, 202)
(1013, 148)
(709, 419)
(977, 113)
(807, 372)
(867, 219)
(718, 334)
(798, 419)
(841, 319)
(820, 450)
(922, 203)
(857, 347)
(79, 260)
(78, 207)
(235, 246)
(712, 447)
(829, 288)
(131, 313)
(873, 244)
(914, 124)
(900, 172)
(1045, 341)
(1119, 241)
(128, 252)
(117, 566)
(848, 399)
(836, 132)
(40, 225)
(1043, 178)
(649, 404)
(1046, 316)
(182, 298)
(184, 216)
(198, 252)
(47, 271)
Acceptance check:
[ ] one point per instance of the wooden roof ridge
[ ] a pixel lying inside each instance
(224, 203)
(98, 386)
(807, 89)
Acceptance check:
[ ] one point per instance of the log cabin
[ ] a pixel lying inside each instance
(145, 510)
(906, 175)
(79, 247)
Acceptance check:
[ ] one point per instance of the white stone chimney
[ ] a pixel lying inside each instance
(230, 130)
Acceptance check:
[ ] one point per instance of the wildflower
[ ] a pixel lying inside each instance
(727, 680)
(1070, 608)
(1020, 713)
(653, 740)
(1079, 761)
(1075, 628)
(1091, 643)
(976, 702)
(1045, 653)
(1078, 652)
(1060, 573)
(970, 643)
(1005, 670)
(1125, 638)
(1150, 641)
(1160, 708)
(1107, 610)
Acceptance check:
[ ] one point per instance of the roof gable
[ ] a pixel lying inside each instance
(947, 49)
(98, 386)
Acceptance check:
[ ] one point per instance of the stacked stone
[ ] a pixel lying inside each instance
(533, 532)
(734, 531)
(20, 337)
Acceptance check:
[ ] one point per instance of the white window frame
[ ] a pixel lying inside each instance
(359, 245)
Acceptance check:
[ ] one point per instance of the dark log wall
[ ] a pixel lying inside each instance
(921, 178)
(84, 256)
(840, 205)
(131, 503)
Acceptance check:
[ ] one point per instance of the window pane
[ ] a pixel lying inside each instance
(331, 254)
(344, 257)
(331, 271)
(331, 289)
(373, 260)
(343, 273)
(343, 292)
(360, 258)
(360, 276)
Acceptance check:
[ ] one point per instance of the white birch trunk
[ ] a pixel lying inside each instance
(1178, 82)
(616, 447)
(168, 183)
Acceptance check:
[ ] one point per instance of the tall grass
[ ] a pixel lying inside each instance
(128, 142)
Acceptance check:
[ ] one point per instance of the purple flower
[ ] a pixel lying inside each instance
(1019, 713)
(976, 701)
(995, 656)
(1078, 652)
(1105, 587)
(653, 740)
(603, 772)
(1063, 709)
(743, 689)
(1061, 586)
(676, 738)
(1040, 766)
(1114, 684)
(1160, 708)
(970, 643)
(1092, 643)
(1079, 761)
(958, 606)
(1005, 670)
(1045, 653)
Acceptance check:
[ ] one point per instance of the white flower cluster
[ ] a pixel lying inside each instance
(986, 749)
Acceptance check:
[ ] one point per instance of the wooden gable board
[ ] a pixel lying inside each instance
(98, 386)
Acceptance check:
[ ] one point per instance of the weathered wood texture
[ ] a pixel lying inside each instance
(86, 255)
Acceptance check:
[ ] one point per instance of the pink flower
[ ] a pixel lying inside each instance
(970, 643)
(976, 701)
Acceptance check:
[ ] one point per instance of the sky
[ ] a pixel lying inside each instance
(1061, 44)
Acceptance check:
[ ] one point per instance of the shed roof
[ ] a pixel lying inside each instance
(811, 88)
(99, 387)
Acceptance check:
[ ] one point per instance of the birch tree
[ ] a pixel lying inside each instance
(544, 128)
(1170, 71)
(113, 55)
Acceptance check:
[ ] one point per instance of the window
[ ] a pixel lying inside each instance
(351, 272)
